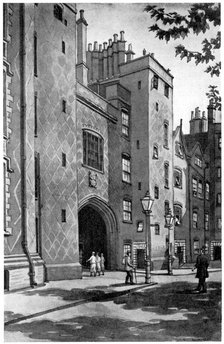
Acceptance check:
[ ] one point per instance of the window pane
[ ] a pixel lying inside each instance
(92, 150)
(140, 226)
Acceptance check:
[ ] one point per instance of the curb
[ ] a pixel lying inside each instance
(107, 296)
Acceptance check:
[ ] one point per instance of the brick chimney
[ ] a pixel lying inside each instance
(100, 62)
(81, 66)
(204, 123)
(115, 55)
(109, 58)
(105, 66)
(121, 48)
(95, 61)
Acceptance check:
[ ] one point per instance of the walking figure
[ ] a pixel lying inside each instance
(201, 265)
(98, 260)
(128, 267)
(92, 261)
(102, 263)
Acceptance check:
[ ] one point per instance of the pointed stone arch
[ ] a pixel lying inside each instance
(108, 216)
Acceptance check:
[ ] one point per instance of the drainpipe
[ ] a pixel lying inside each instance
(190, 213)
(23, 145)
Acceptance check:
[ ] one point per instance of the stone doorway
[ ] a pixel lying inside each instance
(92, 234)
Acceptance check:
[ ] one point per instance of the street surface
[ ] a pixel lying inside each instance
(167, 311)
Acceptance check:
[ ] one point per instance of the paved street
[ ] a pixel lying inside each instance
(104, 309)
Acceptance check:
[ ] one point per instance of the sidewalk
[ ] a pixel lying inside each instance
(56, 295)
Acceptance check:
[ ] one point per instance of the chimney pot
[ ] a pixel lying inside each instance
(90, 47)
(95, 45)
(144, 52)
(81, 14)
(110, 42)
(104, 45)
(115, 37)
(203, 114)
(130, 47)
(122, 36)
(152, 54)
(100, 47)
(192, 114)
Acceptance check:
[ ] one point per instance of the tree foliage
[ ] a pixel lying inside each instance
(199, 18)
(215, 96)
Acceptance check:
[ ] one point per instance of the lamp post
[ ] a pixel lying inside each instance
(147, 203)
(168, 224)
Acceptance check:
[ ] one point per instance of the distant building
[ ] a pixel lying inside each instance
(200, 193)
(204, 147)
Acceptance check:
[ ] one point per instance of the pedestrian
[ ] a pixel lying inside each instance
(201, 265)
(102, 263)
(92, 261)
(128, 264)
(98, 259)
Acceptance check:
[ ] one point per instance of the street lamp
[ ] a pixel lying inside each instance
(168, 224)
(147, 203)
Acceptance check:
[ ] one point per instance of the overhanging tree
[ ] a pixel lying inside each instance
(197, 20)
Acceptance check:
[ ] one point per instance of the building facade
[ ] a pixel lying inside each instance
(201, 193)
(87, 132)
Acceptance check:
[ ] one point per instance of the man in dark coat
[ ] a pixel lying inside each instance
(128, 268)
(202, 264)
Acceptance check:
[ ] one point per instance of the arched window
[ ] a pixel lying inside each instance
(157, 229)
(166, 207)
(177, 176)
(93, 150)
(177, 209)
(166, 175)
(156, 192)
(195, 219)
(166, 130)
(196, 246)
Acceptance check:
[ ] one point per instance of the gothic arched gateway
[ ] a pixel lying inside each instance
(97, 231)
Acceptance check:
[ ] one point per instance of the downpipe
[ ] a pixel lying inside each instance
(23, 146)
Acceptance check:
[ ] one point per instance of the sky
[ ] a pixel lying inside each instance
(190, 81)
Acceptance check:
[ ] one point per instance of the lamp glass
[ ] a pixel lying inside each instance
(169, 218)
(147, 202)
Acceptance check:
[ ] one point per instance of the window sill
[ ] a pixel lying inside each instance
(179, 156)
(155, 158)
(166, 147)
(7, 233)
(178, 187)
(126, 183)
(128, 222)
(166, 187)
(92, 168)
(125, 137)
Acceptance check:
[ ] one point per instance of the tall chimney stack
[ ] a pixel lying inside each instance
(115, 55)
(105, 67)
(109, 58)
(121, 48)
(81, 66)
(95, 61)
